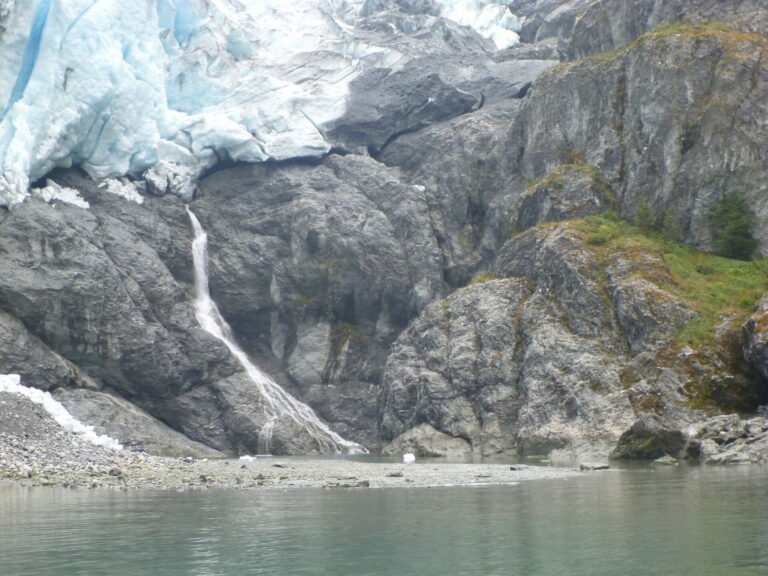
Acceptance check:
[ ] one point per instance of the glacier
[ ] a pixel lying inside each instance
(164, 89)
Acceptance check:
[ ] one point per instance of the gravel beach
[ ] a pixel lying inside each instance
(36, 451)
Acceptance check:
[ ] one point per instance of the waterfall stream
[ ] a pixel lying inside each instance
(277, 402)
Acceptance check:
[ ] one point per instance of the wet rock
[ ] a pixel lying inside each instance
(102, 299)
(666, 461)
(592, 466)
(649, 438)
(318, 268)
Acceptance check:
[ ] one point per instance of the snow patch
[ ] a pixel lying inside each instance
(11, 383)
(125, 189)
(492, 19)
(54, 191)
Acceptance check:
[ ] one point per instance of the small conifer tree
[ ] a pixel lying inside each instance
(732, 222)
(645, 218)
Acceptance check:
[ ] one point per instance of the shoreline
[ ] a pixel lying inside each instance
(140, 472)
(36, 451)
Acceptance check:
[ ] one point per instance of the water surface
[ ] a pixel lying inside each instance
(701, 521)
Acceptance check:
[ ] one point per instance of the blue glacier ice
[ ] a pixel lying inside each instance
(163, 89)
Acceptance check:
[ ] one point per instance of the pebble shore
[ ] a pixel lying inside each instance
(35, 451)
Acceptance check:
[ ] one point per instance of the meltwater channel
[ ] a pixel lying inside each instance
(680, 521)
(277, 402)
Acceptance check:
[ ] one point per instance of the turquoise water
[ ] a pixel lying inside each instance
(698, 521)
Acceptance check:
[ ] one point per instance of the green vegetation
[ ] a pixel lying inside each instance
(713, 286)
(482, 277)
(645, 217)
(344, 333)
(554, 180)
(732, 223)
(732, 38)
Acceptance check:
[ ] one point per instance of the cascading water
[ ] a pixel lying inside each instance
(277, 402)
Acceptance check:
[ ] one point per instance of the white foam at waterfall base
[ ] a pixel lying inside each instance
(11, 383)
(277, 402)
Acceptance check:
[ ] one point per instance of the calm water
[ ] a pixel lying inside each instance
(676, 522)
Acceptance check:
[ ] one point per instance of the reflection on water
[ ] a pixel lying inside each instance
(677, 521)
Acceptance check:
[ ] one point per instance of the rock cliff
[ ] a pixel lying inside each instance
(459, 274)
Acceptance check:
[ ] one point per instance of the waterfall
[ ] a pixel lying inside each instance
(277, 402)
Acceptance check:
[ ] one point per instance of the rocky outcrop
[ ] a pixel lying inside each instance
(568, 191)
(610, 24)
(729, 439)
(547, 18)
(660, 129)
(562, 353)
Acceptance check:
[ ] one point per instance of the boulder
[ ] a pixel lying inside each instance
(425, 441)
(649, 439)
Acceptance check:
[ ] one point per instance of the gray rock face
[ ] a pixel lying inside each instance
(24, 354)
(318, 268)
(658, 127)
(609, 24)
(460, 164)
(569, 191)
(64, 278)
(101, 299)
(136, 429)
(383, 104)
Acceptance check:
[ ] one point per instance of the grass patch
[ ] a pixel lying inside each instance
(713, 286)
(482, 277)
